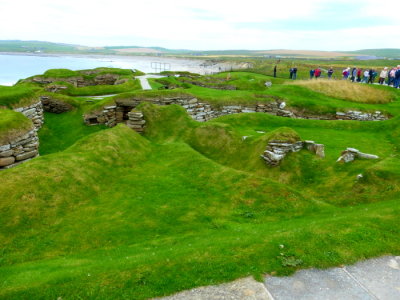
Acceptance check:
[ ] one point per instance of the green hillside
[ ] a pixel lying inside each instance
(107, 213)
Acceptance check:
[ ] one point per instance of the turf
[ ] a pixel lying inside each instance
(111, 214)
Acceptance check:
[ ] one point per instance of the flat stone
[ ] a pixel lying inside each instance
(26, 155)
(6, 161)
(245, 288)
(5, 147)
(381, 276)
(6, 153)
(312, 284)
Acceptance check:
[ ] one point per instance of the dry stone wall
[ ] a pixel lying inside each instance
(20, 149)
(201, 111)
(33, 112)
(277, 150)
(53, 105)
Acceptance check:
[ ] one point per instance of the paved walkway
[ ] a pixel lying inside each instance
(373, 279)
(145, 83)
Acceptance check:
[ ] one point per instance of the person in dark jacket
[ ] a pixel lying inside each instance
(353, 74)
(294, 73)
(330, 73)
(397, 78)
(371, 76)
(291, 73)
(312, 73)
(275, 71)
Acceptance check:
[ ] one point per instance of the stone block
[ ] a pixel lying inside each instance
(26, 155)
(6, 161)
(5, 147)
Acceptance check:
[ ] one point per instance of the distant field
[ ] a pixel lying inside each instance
(137, 50)
(310, 53)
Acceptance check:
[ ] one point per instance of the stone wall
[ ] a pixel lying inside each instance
(136, 121)
(53, 105)
(33, 112)
(201, 111)
(20, 149)
(277, 150)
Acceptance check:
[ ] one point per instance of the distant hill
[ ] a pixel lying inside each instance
(49, 47)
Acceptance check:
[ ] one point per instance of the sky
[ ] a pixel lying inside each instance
(206, 24)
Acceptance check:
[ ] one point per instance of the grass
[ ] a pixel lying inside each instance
(347, 90)
(103, 212)
(16, 96)
(12, 124)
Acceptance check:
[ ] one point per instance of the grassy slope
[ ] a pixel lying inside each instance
(12, 124)
(16, 96)
(128, 209)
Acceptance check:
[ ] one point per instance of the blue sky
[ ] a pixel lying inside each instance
(206, 24)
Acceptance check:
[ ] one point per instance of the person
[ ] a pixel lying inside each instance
(371, 76)
(294, 73)
(383, 75)
(275, 71)
(397, 78)
(330, 73)
(312, 73)
(391, 76)
(359, 71)
(346, 73)
(317, 73)
(366, 76)
(353, 74)
(291, 73)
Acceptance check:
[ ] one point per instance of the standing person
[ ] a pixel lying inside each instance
(383, 75)
(371, 76)
(391, 76)
(275, 71)
(359, 71)
(291, 73)
(294, 73)
(397, 77)
(312, 72)
(346, 73)
(366, 76)
(317, 73)
(353, 74)
(330, 73)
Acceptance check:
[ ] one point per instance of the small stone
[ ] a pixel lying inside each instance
(6, 161)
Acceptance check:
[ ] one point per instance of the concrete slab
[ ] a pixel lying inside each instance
(312, 284)
(381, 276)
(245, 288)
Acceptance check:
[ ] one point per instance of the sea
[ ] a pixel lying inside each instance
(14, 67)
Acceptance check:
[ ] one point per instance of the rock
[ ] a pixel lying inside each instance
(5, 147)
(6, 161)
(26, 155)
(351, 154)
(6, 153)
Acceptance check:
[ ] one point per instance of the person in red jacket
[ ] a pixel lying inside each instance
(359, 71)
(317, 73)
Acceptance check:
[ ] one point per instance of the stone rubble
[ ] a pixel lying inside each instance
(20, 149)
(277, 150)
(361, 116)
(350, 154)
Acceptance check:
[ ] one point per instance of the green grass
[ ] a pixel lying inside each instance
(15, 96)
(12, 124)
(103, 212)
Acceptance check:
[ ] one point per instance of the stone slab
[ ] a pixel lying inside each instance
(381, 276)
(312, 284)
(245, 288)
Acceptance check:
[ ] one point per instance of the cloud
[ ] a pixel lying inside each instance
(207, 24)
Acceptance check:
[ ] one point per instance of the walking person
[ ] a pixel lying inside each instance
(371, 76)
(291, 73)
(391, 76)
(397, 77)
(346, 73)
(330, 73)
(275, 71)
(383, 75)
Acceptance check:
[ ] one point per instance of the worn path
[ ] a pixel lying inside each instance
(373, 279)
(145, 83)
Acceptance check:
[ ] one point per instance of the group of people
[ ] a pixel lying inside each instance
(387, 76)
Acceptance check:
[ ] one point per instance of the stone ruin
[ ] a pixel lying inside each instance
(351, 154)
(136, 121)
(277, 150)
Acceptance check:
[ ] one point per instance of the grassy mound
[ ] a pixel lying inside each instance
(17, 96)
(12, 124)
(343, 89)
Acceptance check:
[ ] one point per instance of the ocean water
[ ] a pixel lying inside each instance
(15, 66)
